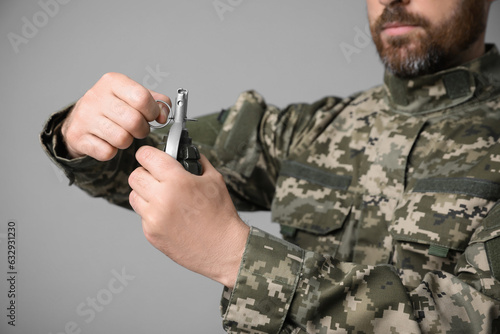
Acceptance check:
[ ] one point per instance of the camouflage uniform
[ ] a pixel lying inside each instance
(387, 202)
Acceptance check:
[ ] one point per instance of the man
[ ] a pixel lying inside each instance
(386, 199)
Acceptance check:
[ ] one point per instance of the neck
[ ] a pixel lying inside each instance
(474, 51)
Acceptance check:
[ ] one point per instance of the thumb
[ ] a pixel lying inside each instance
(156, 162)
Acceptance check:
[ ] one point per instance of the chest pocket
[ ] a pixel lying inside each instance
(443, 213)
(309, 199)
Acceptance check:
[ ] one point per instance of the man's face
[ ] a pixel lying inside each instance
(418, 37)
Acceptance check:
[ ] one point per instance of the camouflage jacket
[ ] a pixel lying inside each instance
(387, 202)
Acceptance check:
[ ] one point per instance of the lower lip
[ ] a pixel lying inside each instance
(400, 30)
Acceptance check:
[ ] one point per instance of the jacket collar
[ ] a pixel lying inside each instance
(477, 79)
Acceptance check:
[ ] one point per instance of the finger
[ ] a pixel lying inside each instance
(164, 110)
(138, 204)
(112, 133)
(128, 118)
(162, 97)
(134, 94)
(96, 148)
(143, 183)
(157, 162)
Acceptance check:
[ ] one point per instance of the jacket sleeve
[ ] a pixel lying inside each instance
(283, 289)
(99, 179)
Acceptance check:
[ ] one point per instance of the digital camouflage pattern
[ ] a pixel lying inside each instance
(387, 202)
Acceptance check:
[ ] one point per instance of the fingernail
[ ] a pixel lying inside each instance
(164, 112)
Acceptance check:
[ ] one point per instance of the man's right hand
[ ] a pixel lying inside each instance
(110, 115)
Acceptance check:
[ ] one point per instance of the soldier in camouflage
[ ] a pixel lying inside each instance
(388, 200)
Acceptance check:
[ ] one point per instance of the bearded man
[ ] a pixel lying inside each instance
(387, 199)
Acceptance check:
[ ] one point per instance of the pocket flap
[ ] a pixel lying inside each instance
(310, 199)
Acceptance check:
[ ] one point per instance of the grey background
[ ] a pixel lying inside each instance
(68, 243)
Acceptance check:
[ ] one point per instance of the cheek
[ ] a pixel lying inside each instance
(436, 12)
(374, 10)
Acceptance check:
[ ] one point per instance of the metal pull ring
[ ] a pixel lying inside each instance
(170, 118)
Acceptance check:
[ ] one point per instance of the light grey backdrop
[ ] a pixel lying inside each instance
(70, 247)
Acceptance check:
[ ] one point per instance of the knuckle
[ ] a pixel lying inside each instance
(132, 199)
(148, 232)
(131, 120)
(87, 146)
(123, 139)
(139, 96)
(151, 226)
(89, 104)
(105, 152)
(109, 76)
(134, 118)
(131, 182)
(137, 125)
(70, 135)
(135, 178)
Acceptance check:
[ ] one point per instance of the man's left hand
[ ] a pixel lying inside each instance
(189, 218)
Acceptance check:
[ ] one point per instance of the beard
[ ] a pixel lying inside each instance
(419, 53)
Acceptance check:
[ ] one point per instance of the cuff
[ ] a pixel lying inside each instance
(267, 280)
(55, 148)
